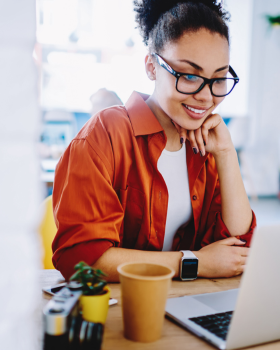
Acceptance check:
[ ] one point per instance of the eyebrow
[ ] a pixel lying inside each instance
(200, 69)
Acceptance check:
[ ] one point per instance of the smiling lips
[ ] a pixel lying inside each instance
(195, 113)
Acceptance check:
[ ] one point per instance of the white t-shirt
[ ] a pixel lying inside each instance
(173, 168)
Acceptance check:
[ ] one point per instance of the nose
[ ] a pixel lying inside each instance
(204, 94)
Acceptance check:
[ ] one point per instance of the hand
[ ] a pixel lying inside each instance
(224, 258)
(213, 136)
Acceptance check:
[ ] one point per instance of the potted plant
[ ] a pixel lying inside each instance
(274, 25)
(94, 301)
(273, 20)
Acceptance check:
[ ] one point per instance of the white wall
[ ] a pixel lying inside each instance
(261, 156)
(19, 188)
(236, 104)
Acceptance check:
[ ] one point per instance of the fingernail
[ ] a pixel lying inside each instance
(243, 240)
(181, 140)
(201, 153)
(194, 150)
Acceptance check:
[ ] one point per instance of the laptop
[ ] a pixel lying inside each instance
(240, 317)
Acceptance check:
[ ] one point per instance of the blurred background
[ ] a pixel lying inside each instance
(63, 60)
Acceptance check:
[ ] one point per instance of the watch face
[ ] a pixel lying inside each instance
(189, 268)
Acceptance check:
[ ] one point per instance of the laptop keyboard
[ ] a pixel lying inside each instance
(216, 323)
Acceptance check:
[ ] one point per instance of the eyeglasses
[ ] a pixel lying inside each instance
(190, 84)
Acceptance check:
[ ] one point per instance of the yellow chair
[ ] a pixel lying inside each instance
(47, 229)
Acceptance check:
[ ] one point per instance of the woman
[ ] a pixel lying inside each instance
(160, 175)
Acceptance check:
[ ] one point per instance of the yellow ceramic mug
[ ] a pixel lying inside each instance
(95, 307)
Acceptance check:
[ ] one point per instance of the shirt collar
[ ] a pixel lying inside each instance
(144, 122)
(142, 119)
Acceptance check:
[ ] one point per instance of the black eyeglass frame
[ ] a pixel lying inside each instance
(207, 81)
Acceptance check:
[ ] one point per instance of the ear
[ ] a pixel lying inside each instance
(150, 67)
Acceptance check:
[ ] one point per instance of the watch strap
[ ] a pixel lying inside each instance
(188, 254)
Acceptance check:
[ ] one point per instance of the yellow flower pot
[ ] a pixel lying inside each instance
(95, 307)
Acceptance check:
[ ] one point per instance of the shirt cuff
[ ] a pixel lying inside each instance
(89, 252)
(218, 231)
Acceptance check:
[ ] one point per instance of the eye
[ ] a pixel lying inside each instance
(191, 78)
(220, 81)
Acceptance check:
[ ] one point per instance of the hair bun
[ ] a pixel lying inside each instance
(149, 11)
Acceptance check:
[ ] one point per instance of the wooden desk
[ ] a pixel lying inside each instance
(173, 337)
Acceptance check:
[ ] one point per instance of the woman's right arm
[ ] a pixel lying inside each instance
(87, 210)
(225, 258)
(114, 256)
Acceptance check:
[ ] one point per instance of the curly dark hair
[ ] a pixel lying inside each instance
(161, 21)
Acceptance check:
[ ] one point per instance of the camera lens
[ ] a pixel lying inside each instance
(74, 333)
(85, 335)
(94, 336)
(56, 310)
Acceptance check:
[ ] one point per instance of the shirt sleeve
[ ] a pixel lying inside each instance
(87, 210)
(216, 228)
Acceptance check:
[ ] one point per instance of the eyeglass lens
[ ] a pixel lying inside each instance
(190, 83)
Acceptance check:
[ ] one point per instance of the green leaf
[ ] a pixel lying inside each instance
(97, 288)
(90, 278)
(100, 273)
(273, 20)
(76, 276)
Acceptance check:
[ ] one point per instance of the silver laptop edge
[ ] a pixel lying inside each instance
(201, 333)
(256, 317)
(191, 326)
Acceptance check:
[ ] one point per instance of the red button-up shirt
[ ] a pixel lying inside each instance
(108, 191)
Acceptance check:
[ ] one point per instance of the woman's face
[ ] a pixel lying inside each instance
(202, 53)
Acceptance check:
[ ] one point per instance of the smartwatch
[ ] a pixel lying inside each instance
(188, 266)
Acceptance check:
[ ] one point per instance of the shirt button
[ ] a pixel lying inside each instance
(194, 198)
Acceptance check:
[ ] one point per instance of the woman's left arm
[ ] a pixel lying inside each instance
(213, 136)
(235, 207)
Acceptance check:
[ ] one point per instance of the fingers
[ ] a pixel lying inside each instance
(223, 258)
(240, 260)
(176, 126)
(182, 132)
(198, 138)
(240, 270)
(237, 265)
(183, 135)
(204, 132)
(212, 121)
(243, 251)
(200, 141)
(231, 241)
(241, 266)
(192, 139)
(243, 260)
